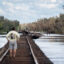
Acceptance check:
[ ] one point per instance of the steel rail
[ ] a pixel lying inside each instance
(34, 57)
(4, 50)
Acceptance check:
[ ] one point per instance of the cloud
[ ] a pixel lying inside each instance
(9, 6)
(23, 7)
(52, 1)
(60, 1)
(47, 5)
(11, 10)
(13, 7)
(1, 11)
(7, 3)
(30, 10)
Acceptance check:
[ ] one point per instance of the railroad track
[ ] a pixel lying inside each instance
(27, 53)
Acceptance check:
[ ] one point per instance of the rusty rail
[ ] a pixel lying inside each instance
(34, 57)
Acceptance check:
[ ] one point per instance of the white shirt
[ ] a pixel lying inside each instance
(16, 36)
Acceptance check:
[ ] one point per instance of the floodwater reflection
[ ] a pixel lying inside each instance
(53, 47)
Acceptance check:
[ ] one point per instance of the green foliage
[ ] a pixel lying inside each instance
(6, 25)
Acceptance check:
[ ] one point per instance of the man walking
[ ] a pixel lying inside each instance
(13, 38)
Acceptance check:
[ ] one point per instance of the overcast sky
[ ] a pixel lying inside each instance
(27, 11)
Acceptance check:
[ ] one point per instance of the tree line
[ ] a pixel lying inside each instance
(50, 25)
(6, 25)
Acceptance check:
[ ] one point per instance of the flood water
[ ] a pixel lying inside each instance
(53, 47)
(3, 41)
(51, 44)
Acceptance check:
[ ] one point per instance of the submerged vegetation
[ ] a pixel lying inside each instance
(6, 25)
(50, 25)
